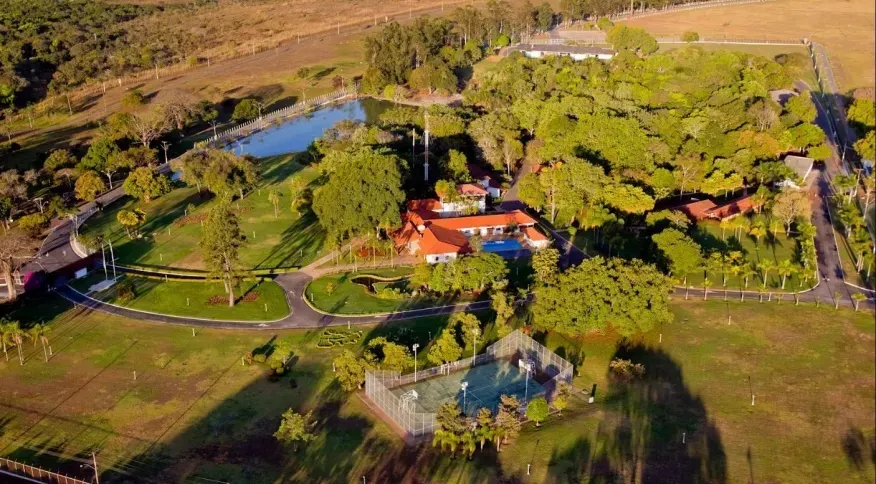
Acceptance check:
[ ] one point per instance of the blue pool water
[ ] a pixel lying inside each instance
(501, 245)
(297, 133)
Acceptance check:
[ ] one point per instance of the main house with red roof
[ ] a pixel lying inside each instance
(432, 228)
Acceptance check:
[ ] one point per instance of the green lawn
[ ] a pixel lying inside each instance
(773, 247)
(191, 298)
(194, 412)
(287, 240)
(340, 294)
(847, 258)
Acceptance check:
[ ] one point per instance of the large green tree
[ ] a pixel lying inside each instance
(681, 253)
(364, 196)
(627, 296)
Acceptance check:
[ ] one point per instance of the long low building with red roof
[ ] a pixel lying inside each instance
(444, 239)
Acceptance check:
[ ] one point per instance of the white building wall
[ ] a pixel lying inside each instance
(440, 258)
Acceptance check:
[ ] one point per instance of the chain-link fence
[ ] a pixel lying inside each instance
(516, 347)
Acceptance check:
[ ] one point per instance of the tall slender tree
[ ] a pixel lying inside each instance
(221, 241)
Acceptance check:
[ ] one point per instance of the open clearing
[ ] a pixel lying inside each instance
(173, 224)
(194, 411)
(256, 300)
(846, 28)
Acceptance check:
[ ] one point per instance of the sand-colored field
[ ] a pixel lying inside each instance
(846, 28)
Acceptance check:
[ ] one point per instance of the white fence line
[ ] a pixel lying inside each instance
(251, 127)
(379, 383)
(625, 15)
(37, 473)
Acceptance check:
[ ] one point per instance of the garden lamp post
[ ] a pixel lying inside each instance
(415, 347)
(464, 388)
(528, 368)
(474, 350)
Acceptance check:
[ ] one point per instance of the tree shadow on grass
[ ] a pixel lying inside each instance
(860, 449)
(656, 431)
(300, 242)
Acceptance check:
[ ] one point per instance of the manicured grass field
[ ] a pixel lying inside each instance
(776, 248)
(340, 294)
(195, 412)
(192, 298)
(285, 240)
(845, 28)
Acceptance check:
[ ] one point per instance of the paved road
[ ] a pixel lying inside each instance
(302, 316)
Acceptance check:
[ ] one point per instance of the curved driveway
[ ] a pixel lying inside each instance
(301, 315)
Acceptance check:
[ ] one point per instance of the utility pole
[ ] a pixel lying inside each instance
(112, 257)
(415, 347)
(426, 139)
(96, 473)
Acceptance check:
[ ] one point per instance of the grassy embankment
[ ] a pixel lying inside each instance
(172, 231)
(195, 411)
(255, 300)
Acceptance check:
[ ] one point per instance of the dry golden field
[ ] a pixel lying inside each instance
(846, 28)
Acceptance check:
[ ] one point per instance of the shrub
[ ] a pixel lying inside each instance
(391, 293)
(690, 37)
(245, 110)
(303, 73)
(260, 358)
(133, 99)
(502, 41)
(626, 370)
(280, 370)
(604, 24)
(34, 224)
(125, 291)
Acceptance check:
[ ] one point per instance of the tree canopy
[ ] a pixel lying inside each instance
(627, 296)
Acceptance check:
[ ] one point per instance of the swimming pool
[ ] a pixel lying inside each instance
(505, 245)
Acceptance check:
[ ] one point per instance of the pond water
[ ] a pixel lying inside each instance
(370, 281)
(297, 133)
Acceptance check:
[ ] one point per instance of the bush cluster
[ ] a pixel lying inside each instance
(338, 337)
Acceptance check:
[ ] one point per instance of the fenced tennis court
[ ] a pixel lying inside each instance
(411, 400)
(486, 385)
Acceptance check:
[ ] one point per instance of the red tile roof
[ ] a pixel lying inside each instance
(729, 209)
(477, 221)
(440, 240)
(470, 189)
(407, 234)
(424, 204)
(533, 234)
(697, 210)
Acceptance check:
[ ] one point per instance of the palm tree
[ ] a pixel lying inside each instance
(847, 184)
(445, 439)
(858, 297)
(469, 443)
(765, 266)
(785, 268)
(17, 335)
(485, 429)
(776, 227)
(274, 198)
(747, 271)
(725, 224)
(6, 336)
(40, 332)
(757, 230)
